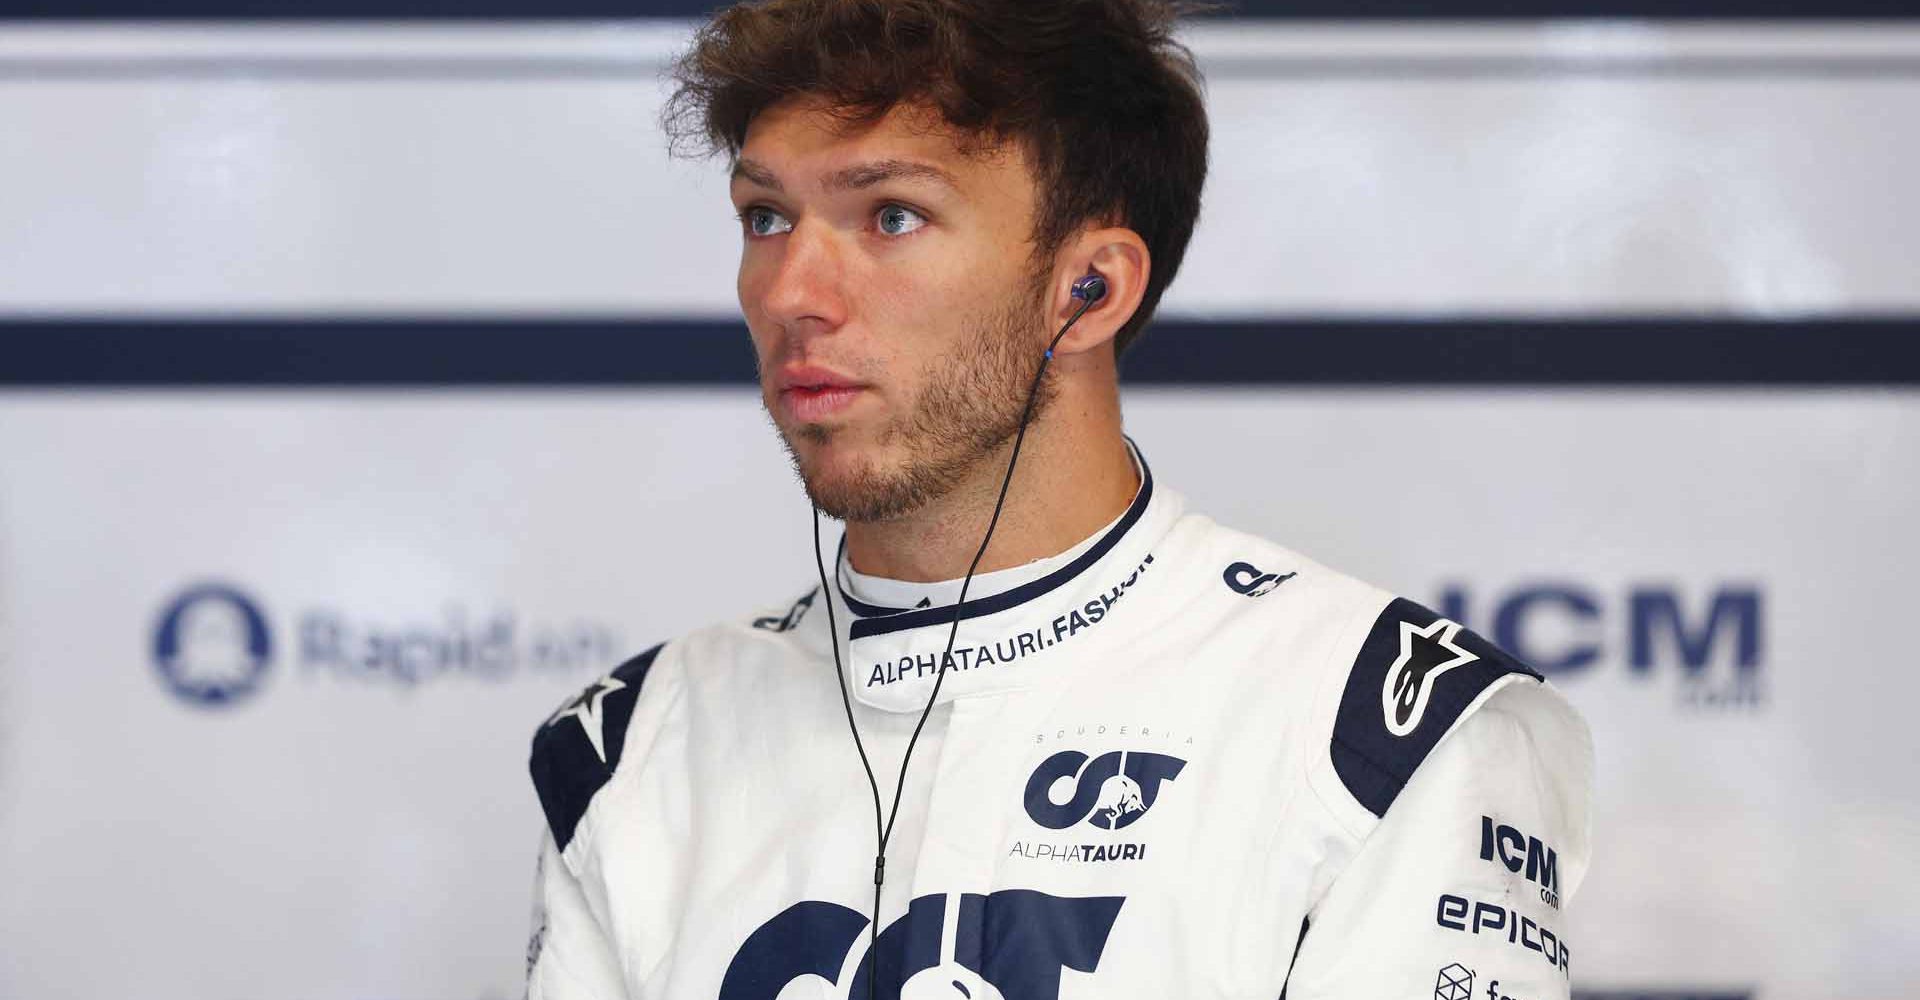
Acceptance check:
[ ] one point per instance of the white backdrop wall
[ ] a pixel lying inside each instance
(1558, 167)
(389, 589)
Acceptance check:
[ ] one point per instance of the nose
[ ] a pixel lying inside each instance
(804, 292)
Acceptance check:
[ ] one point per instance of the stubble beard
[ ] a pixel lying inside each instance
(969, 407)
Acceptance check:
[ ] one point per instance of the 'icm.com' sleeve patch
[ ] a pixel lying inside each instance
(1416, 673)
(577, 749)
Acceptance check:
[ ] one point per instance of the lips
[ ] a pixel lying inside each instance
(811, 394)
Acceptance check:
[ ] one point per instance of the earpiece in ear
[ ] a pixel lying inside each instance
(1090, 288)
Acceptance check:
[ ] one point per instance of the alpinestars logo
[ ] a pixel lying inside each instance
(1012, 945)
(1425, 655)
(1111, 791)
(586, 708)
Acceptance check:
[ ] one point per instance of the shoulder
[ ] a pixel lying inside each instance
(1369, 684)
(577, 749)
(1412, 680)
(1524, 761)
(600, 731)
(1241, 568)
(1391, 678)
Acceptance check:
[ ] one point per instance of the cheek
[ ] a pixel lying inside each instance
(938, 320)
(749, 286)
(750, 282)
(920, 304)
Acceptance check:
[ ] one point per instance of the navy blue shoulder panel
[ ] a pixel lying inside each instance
(1416, 673)
(577, 749)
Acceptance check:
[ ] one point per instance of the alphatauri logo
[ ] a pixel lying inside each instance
(1015, 944)
(1110, 791)
(791, 620)
(1246, 578)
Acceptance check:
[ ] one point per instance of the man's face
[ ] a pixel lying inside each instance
(888, 282)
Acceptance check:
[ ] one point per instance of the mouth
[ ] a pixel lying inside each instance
(812, 395)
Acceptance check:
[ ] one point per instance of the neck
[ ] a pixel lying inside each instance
(1075, 474)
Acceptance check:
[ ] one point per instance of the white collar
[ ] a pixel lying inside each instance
(1012, 620)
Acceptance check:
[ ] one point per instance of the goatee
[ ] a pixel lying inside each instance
(969, 407)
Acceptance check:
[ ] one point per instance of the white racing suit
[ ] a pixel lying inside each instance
(1175, 761)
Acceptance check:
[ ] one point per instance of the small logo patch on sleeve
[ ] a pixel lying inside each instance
(1415, 675)
(1426, 653)
(577, 749)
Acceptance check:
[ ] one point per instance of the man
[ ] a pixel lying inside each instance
(1115, 749)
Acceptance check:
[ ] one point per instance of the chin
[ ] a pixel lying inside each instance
(852, 485)
(824, 452)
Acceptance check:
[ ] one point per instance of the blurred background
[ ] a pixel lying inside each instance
(370, 379)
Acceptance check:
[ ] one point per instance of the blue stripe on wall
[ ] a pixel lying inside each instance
(1595, 351)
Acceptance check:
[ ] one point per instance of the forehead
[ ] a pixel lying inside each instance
(801, 140)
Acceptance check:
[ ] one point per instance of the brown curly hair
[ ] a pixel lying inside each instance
(1098, 93)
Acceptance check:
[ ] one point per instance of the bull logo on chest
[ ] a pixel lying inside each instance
(1110, 791)
(1010, 945)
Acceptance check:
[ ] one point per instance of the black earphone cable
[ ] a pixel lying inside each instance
(883, 832)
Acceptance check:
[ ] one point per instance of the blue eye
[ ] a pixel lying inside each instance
(763, 221)
(899, 220)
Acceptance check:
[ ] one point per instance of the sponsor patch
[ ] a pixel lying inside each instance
(1415, 675)
(1472, 916)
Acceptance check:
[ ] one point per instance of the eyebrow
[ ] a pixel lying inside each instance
(866, 175)
(752, 172)
(854, 178)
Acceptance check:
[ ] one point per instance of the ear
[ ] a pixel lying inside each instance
(1120, 256)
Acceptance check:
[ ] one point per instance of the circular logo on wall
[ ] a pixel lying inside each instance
(212, 646)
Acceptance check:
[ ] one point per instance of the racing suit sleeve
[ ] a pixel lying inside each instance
(573, 756)
(568, 957)
(1460, 887)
